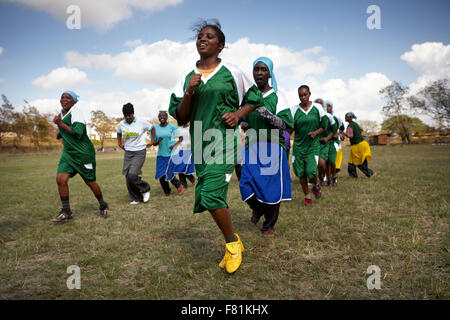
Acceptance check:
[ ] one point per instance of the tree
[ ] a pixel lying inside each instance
(434, 100)
(369, 126)
(21, 126)
(6, 117)
(396, 109)
(103, 125)
(38, 124)
(404, 126)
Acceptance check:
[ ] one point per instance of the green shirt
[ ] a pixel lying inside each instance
(357, 136)
(274, 103)
(340, 126)
(77, 145)
(331, 128)
(304, 122)
(213, 143)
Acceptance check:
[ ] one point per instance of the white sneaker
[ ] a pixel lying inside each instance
(134, 202)
(146, 196)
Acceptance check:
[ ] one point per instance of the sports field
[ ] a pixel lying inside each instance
(398, 221)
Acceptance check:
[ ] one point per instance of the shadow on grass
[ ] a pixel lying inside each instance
(8, 228)
(193, 242)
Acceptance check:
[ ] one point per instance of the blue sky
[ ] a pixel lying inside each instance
(322, 43)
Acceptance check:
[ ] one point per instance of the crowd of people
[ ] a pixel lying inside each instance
(216, 95)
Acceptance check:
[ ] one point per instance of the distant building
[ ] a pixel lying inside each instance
(381, 139)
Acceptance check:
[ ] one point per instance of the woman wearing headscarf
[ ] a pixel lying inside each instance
(134, 131)
(359, 148)
(265, 177)
(78, 155)
(330, 156)
(327, 151)
(213, 96)
(335, 157)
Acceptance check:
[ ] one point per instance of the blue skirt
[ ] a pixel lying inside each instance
(161, 166)
(265, 173)
(180, 162)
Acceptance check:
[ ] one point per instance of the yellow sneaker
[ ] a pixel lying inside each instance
(227, 253)
(234, 259)
(224, 259)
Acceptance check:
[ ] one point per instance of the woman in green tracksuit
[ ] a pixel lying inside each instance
(213, 96)
(308, 120)
(78, 155)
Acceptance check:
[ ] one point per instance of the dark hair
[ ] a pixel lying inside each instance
(213, 23)
(163, 111)
(128, 109)
(304, 86)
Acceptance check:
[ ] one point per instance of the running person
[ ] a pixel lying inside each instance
(339, 138)
(213, 96)
(134, 131)
(308, 120)
(359, 150)
(181, 161)
(335, 146)
(163, 137)
(327, 151)
(265, 184)
(78, 155)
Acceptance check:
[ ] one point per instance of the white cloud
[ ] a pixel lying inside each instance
(357, 95)
(62, 78)
(431, 60)
(100, 14)
(288, 64)
(162, 63)
(146, 102)
(361, 95)
(133, 43)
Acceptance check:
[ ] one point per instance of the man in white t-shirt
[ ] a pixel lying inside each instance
(134, 131)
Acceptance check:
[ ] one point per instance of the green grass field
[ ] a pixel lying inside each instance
(398, 220)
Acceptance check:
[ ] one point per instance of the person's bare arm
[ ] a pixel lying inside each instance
(119, 141)
(327, 138)
(232, 118)
(183, 110)
(314, 134)
(58, 121)
(180, 139)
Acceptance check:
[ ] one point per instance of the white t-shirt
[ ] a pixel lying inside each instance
(184, 132)
(134, 134)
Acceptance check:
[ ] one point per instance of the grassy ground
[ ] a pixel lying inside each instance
(398, 220)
